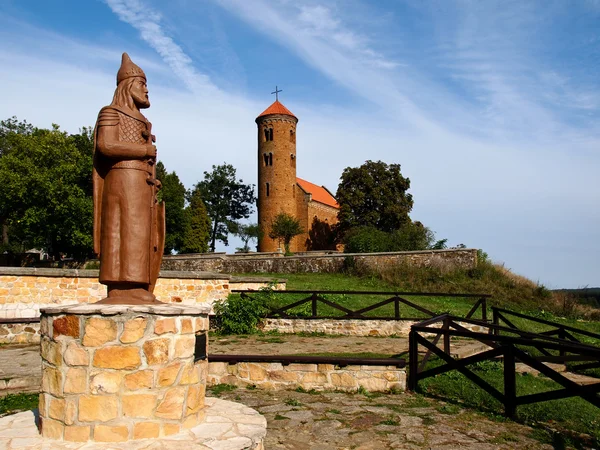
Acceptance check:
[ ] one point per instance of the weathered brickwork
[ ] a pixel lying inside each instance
(312, 262)
(117, 373)
(277, 188)
(274, 376)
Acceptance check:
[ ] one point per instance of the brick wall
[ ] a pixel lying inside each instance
(317, 261)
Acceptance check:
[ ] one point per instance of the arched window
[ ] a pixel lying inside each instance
(270, 134)
(266, 130)
(267, 189)
(266, 159)
(270, 159)
(292, 136)
(292, 160)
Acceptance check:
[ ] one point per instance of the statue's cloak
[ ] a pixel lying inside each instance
(135, 255)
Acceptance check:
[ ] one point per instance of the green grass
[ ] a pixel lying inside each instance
(518, 295)
(571, 416)
(13, 403)
(292, 402)
(218, 389)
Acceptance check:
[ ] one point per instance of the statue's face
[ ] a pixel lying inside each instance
(139, 93)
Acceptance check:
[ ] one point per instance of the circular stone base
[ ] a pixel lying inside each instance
(227, 425)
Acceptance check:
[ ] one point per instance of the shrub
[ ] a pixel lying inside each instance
(239, 315)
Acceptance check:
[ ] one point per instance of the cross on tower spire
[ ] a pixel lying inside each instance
(276, 92)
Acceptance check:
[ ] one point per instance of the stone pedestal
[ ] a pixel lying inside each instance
(118, 373)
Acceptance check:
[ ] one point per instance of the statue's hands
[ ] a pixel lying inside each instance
(150, 150)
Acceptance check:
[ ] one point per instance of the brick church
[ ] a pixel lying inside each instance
(280, 190)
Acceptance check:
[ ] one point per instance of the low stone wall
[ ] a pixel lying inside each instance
(333, 262)
(275, 376)
(351, 327)
(24, 290)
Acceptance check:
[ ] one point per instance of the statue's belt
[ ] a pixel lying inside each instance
(133, 164)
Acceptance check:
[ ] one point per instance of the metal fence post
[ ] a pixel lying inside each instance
(314, 305)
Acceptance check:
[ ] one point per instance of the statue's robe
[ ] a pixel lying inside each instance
(123, 199)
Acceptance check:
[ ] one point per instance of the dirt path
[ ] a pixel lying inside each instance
(333, 420)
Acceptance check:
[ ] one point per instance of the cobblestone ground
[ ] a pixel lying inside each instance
(334, 420)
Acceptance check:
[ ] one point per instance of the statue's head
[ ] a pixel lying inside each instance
(131, 86)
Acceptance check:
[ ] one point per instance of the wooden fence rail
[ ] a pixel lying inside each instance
(509, 343)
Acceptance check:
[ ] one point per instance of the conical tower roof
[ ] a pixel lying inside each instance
(277, 108)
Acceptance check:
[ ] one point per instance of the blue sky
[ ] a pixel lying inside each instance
(491, 107)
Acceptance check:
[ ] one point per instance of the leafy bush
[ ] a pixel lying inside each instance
(239, 315)
(411, 236)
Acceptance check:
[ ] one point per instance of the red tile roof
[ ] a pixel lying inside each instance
(319, 193)
(276, 108)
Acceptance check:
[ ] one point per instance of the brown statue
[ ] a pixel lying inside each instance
(129, 224)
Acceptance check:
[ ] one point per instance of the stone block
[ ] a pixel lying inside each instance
(71, 410)
(314, 378)
(56, 409)
(106, 433)
(106, 383)
(302, 367)
(187, 326)
(100, 408)
(75, 355)
(133, 330)
(282, 375)
(257, 372)
(195, 399)
(190, 374)
(184, 346)
(167, 375)
(171, 406)
(44, 399)
(163, 326)
(51, 351)
(325, 367)
(52, 429)
(217, 368)
(98, 332)
(146, 430)
(76, 433)
(66, 326)
(117, 357)
(156, 351)
(76, 381)
(169, 429)
(139, 405)
(139, 380)
(373, 384)
(52, 381)
(343, 380)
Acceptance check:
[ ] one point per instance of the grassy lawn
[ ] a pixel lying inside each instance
(13, 403)
(454, 305)
(570, 416)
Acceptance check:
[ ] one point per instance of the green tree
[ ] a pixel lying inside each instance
(45, 188)
(173, 194)
(227, 200)
(374, 195)
(247, 232)
(284, 228)
(197, 226)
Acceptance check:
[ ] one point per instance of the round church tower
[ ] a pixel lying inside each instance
(276, 169)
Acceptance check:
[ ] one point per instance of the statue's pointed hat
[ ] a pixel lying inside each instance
(128, 69)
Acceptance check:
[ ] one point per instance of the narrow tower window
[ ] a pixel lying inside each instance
(266, 130)
(270, 159)
(270, 134)
(292, 136)
(292, 160)
(267, 189)
(266, 158)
